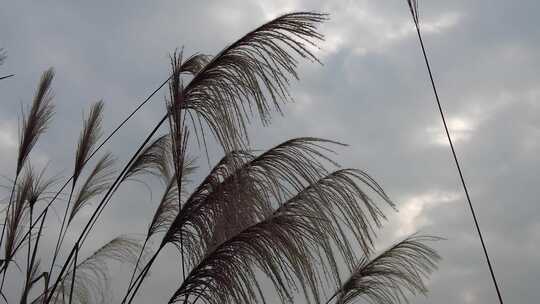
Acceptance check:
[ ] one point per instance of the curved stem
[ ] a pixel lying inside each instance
(29, 263)
(103, 202)
(6, 263)
(332, 297)
(3, 268)
(32, 261)
(74, 273)
(138, 261)
(140, 278)
(60, 237)
(6, 258)
(28, 266)
(7, 210)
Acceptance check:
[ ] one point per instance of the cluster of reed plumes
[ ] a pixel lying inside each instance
(280, 214)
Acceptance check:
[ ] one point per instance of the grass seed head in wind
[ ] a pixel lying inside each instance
(97, 182)
(36, 121)
(250, 77)
(88, 139)
(289, 214)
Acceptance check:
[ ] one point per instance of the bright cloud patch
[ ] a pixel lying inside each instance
(411, 217)
(444, 22)
(8, 137)
(460, 128)
(365, 31)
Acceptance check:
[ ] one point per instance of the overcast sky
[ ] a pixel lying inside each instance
(372, 93)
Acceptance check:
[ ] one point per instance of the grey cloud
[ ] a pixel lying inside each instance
(371, 93)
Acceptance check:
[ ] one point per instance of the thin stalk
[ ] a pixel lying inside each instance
(33, 259)
(36, 246)
(4, 267)
(40, 216)
(4, 275)
(98, 210)
(6, 259)
(329, 300)
(64, 267)
(178, 140)
(138, 261)
(106, 199)
(39, 277)
(198, 296)
(45, 277)
(28, 262)
(7, 212)
(414, 13)
(74, 273)
(182, 255)
(141, 277)
(7, 76)
(71, 178)
(60, 237)
(28, 266)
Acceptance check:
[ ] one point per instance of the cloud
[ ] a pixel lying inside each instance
(460, 130)
(411, 217)
(372, 93)
(8, 137)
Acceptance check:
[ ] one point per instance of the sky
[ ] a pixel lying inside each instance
(371, 92)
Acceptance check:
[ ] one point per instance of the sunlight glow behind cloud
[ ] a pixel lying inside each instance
(460, 129)
(411, 217)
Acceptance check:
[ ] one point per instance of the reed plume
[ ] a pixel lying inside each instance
(31, 188)
(289, 214)
(97, 182)
(250, 76)
(89, 136)
(35, 122)
(92, 277)
(16, 215)
(243, 182)
(195, 63)
(287, 245)
(387, 277)
(87, 140)
(152, 160)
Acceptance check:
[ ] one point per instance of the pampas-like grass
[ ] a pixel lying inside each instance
(92, 278)
(251, 76)
(153, 160)
(195, 63)
(31, 188)
(413, 5)
(97, 182)
(285, 213)
(254, 185)
(287, 246)
(40, 185)
(387, 277)
(89, 136)
(166, 211)
(169, 203)
(35, 122)
(18, 212)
